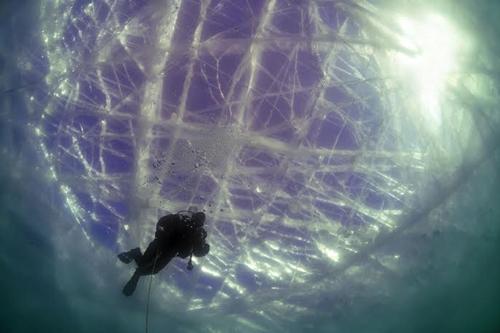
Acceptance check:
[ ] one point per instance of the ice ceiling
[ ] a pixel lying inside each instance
(312, 133)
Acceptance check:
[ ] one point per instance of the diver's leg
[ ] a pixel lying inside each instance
(127, 257)
(161, 263)
(131, 284)
(155, 265)
(151, 252)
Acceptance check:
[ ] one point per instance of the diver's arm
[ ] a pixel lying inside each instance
(164, 224)
(164, 221)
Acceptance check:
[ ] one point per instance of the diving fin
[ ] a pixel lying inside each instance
(127, 257)
(131, 285)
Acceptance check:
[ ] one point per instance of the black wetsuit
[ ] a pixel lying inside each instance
(170, 240)
(174, 236)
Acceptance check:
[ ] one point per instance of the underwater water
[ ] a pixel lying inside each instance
(345, 154)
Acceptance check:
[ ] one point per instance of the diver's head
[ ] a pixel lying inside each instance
(202, 250)
(198, 219)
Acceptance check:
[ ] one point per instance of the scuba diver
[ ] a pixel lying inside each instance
(176, 235)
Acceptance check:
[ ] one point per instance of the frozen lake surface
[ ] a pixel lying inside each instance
(345, 154)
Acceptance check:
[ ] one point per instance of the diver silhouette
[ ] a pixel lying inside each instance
(178, 234)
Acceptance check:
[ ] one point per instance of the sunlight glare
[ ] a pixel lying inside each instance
(435, 43)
